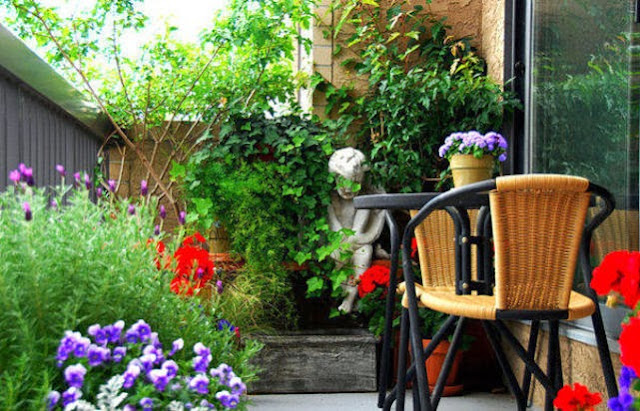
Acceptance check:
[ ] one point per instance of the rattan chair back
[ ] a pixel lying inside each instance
(435, 241)
(537, 223)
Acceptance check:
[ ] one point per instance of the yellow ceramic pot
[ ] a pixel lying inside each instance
(467, 169)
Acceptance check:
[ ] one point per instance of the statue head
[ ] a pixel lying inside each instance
(347, 163)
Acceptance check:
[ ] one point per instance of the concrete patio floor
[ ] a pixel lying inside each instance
(367, 402)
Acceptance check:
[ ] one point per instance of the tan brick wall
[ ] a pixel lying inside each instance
(133, 172)
(580, 363)
(481, 20)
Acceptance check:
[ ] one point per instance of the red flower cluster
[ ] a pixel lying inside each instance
(576, 398)
(619, 272)
(629, 337)
(375, 276)
(194, 267)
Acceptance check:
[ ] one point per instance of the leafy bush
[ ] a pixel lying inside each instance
(267, 181)
(73, 263)
(422, 86)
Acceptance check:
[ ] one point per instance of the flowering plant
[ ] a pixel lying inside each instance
(576, 398)
(618, 277)
(73, 255)
(372, 290)
(139, 373)
(194, 268)
(474, 143)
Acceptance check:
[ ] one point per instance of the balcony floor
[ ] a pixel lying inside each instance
(367, 402)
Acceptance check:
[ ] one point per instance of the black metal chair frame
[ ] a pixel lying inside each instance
(459, 199)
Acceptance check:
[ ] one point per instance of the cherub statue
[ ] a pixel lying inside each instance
(347, 164)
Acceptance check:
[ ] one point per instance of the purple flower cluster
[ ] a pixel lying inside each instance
(140, 351)
(22, 173)
(624, 401)
(475, 143)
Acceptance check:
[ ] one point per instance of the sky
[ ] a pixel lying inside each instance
(190, 16)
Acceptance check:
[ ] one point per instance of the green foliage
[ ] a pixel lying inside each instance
(572, 110)
(80, 264)
(269, 186)
(170, 93)
(422, 86)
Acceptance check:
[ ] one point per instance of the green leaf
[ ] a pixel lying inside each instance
(314, 285)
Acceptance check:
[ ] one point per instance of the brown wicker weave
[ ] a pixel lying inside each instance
(618, 232)
(537, 225)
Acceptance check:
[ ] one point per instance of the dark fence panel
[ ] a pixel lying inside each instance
(38, 133)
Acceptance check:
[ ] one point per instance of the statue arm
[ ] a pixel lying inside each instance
(368, 226)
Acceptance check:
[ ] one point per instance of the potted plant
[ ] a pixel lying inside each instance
(472, 156)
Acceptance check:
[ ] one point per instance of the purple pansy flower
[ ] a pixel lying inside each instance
(52, 399)
(146, 403)
(227, 399)
(97, 355)
(118, 354)
(70, 396)
(130, 375)
(82, 347)
(171, 367)
(176, 346)
(74, 375)
(99, 334)
(237, 386)
(159, 378)
(200, 384)
(623, 402)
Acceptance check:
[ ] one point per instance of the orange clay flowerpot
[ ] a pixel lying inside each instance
(434, 365)
(467, 169)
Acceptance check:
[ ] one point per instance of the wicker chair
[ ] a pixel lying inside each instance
(539, 233)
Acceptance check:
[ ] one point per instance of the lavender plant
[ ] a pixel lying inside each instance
(129, 369)
(72, 257)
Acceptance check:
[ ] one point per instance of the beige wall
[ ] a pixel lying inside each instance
(481, 20)
(580, 363)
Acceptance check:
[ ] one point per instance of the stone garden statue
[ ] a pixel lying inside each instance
(347, 164)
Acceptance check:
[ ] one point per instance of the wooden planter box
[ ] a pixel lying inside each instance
(317, 361)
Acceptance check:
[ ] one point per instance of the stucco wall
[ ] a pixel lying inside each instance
(483, 21)
(580, 363)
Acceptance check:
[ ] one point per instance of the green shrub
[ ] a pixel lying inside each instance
(75, 265)
(267, 181)
(422, 85)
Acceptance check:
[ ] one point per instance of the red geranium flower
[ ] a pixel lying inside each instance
(629, 348)
(619, 272)
(194, 267)
(576, 398)
(375, 276)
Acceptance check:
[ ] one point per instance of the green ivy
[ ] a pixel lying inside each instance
(267, 181)
(422, 86)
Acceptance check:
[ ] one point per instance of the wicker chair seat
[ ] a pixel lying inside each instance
(420, 290)
(483, 307)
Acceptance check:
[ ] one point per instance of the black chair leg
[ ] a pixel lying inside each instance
(605, 355)
(512, 382)
(402, 360)
(552, 365)
(388, 318)
(448, 363)
(531, 351)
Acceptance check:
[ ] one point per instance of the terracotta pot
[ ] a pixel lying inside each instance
(467, 169)
(434, 365)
